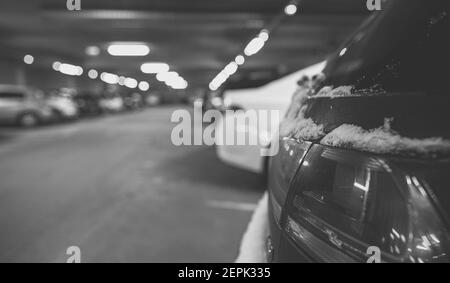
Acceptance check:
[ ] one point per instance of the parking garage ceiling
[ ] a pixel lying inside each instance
(197, 38)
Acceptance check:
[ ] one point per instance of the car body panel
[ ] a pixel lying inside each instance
(335, 211)
(112, 104)
(64, 106)
(30, 102)
(88, 103)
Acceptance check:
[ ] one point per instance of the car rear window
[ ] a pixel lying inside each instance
(405, 49)
(11, 95)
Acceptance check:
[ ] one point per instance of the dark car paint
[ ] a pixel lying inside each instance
(419, 114)
(283, 249)
(403, 48)
(406, 110)
(88, 104)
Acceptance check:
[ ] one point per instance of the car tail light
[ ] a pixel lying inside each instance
(345, 203)
(283, 168)
(429, 235)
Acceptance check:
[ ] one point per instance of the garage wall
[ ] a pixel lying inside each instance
(8, 72)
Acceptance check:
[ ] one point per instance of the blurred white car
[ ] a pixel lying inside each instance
(276, 95)
(23, 106)
(63, 107)
(153, 100)
(112, 103)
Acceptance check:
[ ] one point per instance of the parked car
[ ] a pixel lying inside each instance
(111, 103)
(361, 174)
(152, 99)
(132, 100)
(276, 95)
(88, 103)
(62, 105)
(23, 106)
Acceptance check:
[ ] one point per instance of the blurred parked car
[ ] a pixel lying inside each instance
(153, 99)
(132, 100)
(273, 96)
(23, 106)
(62, 105)
(173, 97)
(348, 187)
(88, 103)
(111, 103)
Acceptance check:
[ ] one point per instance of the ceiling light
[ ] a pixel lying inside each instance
(28, 59)
(222, 77)
(179, 87)
(213, 86)
(290, 9)
(175, 81)
(231, 68)
(154, 68)
(92, 51)
(93, 74)
(128, 50)
(239, 60)
(131, 83)
(144, 86)
(218, 80)
(109, 78)
(167, 76)
(254, 46)
(71, 70)
(180, 84)
(171, 75)
(56, 65)
(160, 77)
(264, 35)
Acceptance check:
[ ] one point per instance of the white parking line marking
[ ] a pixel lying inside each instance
(241, 206)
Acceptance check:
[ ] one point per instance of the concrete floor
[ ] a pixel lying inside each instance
(116, 187)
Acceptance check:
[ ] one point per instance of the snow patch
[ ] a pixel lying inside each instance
(307, 129)
(346, 91)
(383, 140)
(295, 124)
(253, 245)
(331, 92)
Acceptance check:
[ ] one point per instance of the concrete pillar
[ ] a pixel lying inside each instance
(20, 76)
